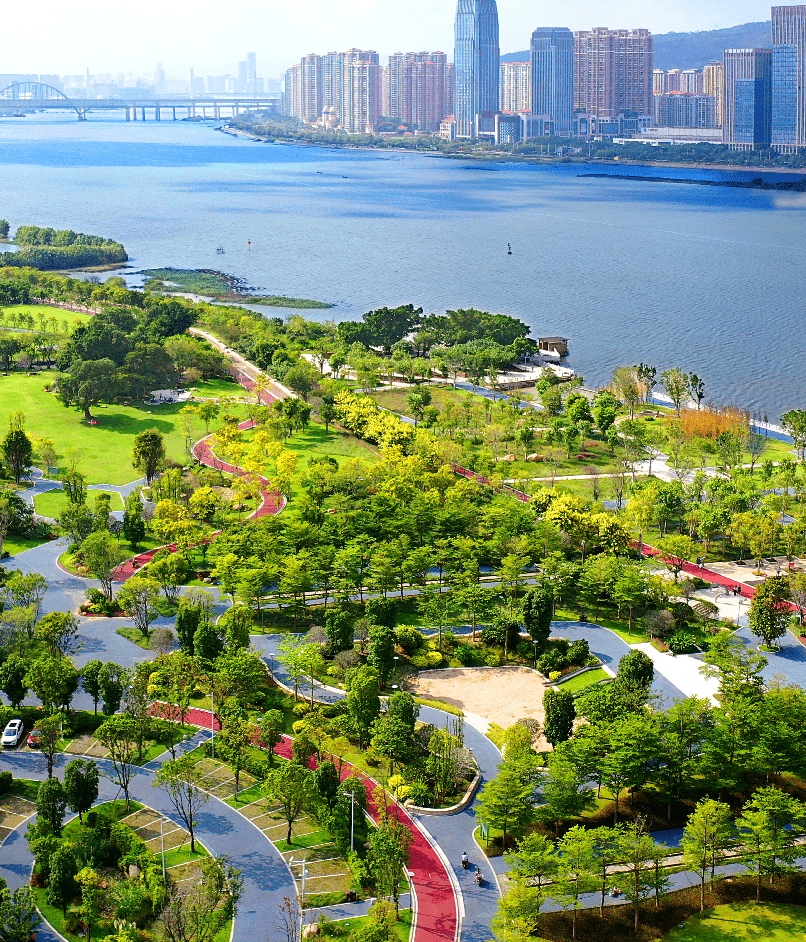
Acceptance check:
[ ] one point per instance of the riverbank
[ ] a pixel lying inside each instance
(757, 183)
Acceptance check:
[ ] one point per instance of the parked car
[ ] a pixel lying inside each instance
(12, 734)
(35, 738)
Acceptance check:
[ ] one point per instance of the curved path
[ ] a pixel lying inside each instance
(267, 879)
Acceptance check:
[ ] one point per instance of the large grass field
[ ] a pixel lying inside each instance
(743, 922)
(65, 319)
(52, 503)
(315, 442)
(219, 388)
(105, 448)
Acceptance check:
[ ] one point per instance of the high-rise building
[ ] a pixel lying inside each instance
(659, 82)
(516, 86)
(613, 71)
(747, 116)
(361, 88)
(713, 85)
(476, 61)
(682, 110)
(789, 78)
(292, 92)
(312, 88)
(415, 86)
(673, 81)
(553, 77)
(251, 73)
(691, 82)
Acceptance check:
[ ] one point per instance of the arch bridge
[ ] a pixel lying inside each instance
(35, 95)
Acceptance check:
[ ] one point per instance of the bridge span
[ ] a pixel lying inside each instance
(25, 97)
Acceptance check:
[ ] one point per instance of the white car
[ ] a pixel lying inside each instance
(12, 734)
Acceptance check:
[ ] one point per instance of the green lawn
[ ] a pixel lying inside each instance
(583, 681)
(395, 399)
(65, 319)
(743, 922)
(182, 855)
(219, 388)
(315, 442)
(402, 928)
(104, 449)
(53, 503)
(18, 544)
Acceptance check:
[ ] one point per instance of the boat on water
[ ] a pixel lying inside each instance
(220, 250)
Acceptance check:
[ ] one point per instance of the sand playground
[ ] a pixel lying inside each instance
(501, 695)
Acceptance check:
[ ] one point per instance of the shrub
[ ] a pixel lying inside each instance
(435, 659)
(466, 655)
(492, 659)
(579, 652)
(549, 662)
(303, 708)
(381, 611)
(554, 676)
(409, 639)
(6, 782)
(497, 634)
(420, 661)
(525, 650)
(682, 642)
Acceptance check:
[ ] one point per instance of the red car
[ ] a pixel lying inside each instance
(35, 738)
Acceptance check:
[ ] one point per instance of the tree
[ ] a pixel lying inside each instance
(638, 853)
(769, 828)
(381, 652)
(50, 734)
(363, 700)
(393, 739)
(119, 735)
(236, 736)
(62, 888)
(59, 631)
(51, 804)
(208, 645)
(138, 598)
(508, 799)
(90, 681)
(707, 833)
(92, 894)
(676, 383)
(102, 555)
(576, 873)
(134, 528)
(636, 671)
(112, 680)
(560, 715)
(19, 917)
(794, 422)
(81, 785)
(677, 550)
(696, 388)
(148, 453)
(198, 912)
(17, 451)
(289, 785)
(181, 779)
(88, 383)
(538, 610)
(54, 680)
(769, 610)
(389, 851)
(13, 674)
(270, 730)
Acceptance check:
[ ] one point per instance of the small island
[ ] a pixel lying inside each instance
(49, 249)
(208, 283)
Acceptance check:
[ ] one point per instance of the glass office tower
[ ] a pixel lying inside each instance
(477, 63)
(553, 77)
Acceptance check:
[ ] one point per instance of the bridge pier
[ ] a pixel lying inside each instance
(128, 116)
(217, 113)
(174, 111)
(134, 114)
(144, 114)
(157, 116)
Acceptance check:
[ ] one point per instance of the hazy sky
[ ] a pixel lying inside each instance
(212, 35)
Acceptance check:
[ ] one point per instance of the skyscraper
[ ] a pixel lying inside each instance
(613, 71)
(713, 84)
(789, 78)
(553, 77)
(516, 86)
(747, 115)
(414, 89)
(476, 59)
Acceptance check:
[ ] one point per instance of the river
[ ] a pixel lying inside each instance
(707, 278)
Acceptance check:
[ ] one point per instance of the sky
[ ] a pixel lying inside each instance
(211, 36)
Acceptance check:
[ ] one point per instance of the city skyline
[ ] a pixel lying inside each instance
(281, 34)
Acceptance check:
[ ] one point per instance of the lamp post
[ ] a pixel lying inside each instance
(535, 647)
(212, 723)
(304, 872)
(162, 845)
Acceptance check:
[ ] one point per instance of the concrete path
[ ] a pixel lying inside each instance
(682, 670)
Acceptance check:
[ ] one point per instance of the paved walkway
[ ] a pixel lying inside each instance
(267, 879)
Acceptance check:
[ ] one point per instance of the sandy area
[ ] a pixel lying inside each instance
(499, 695)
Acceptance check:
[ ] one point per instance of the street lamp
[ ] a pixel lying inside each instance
(535, 643)
(304, 871)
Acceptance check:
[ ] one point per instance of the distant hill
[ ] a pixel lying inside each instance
(693, 50)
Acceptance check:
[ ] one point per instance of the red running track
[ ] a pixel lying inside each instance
(437, 913)
(271, 501)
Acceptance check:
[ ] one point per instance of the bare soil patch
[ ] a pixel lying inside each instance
(501, 695)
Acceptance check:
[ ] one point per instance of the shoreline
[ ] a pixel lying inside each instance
(499, 157)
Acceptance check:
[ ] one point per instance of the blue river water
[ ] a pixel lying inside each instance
(711, 279)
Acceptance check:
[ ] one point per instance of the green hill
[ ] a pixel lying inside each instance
(693, 50)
